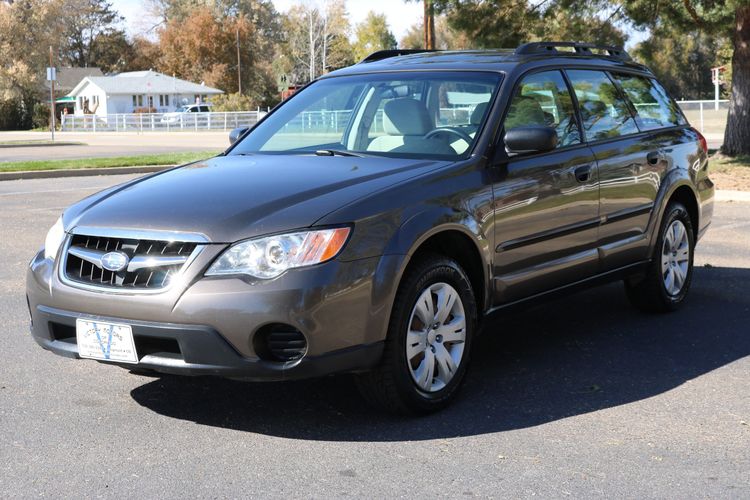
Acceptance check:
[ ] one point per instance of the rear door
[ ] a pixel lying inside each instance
(630, 166)
(546, 210)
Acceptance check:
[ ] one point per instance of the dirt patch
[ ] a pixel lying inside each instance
(730, 173)
(734, 180)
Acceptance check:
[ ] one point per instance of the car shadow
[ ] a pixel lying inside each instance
(575, 355)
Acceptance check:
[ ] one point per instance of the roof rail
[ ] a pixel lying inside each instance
(579, 49)
(385, 54)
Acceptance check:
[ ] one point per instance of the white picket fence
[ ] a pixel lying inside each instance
(160, 122)
(708, 116)
(330, 121)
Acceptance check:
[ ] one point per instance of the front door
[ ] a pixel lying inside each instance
(546, 208)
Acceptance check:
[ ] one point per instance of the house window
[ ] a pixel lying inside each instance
(163, 100)
(135, 101)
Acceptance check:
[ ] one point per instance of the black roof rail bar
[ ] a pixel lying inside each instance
(582, 49)
(385, 54)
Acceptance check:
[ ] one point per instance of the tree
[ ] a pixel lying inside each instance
(499, 23)
(28, 28)
(112, 52)
(145, 54)
(315, 41)
(446, 38)
(87, 21)
(731, 18)
(202, 48)
(372, 35)
(683, 63)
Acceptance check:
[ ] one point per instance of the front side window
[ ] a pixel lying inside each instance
(543, 99)
(411, 115)
(654, 108)
(604, 113)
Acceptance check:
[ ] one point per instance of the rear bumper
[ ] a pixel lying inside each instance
(197, 350)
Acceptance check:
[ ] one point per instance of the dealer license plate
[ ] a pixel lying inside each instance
(105, 341)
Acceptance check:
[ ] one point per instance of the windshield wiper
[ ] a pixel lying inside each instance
(336, 152)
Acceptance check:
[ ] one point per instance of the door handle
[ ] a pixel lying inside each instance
(583, 174)
(653, 157)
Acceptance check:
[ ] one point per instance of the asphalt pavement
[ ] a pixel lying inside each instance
(580, 397)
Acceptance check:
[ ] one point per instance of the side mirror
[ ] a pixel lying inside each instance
(236, 134)
(536, 139)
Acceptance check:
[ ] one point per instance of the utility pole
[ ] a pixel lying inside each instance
(429, 25)
(239, 69)
(51, 76)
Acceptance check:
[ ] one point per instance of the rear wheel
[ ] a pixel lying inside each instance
(429, 339)
(667, 281)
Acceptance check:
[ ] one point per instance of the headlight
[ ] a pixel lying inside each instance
(269, 257)
(54, 239)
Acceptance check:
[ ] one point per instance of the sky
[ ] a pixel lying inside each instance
(400, 15)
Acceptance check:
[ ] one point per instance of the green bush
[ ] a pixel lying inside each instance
(16, 114)
(40, 116)
(232, 102)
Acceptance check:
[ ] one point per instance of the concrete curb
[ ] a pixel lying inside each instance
(727, 195)
(80, 172)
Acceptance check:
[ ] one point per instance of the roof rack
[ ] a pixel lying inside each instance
(579, 49)
(385, 54)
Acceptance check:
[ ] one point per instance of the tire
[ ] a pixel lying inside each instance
(667, 280)
(402, 383)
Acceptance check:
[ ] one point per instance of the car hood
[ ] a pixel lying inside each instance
(229, 198)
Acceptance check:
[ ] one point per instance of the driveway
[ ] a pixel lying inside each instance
(581, 397)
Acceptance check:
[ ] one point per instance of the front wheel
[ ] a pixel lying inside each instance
(429, 339)
(667, 281)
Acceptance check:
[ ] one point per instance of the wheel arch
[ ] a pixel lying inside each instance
(682, 190)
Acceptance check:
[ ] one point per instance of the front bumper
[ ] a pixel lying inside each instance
(197, 350)
(206, 327)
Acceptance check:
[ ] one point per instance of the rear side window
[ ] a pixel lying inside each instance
(654, 109)
(543, 99)
(604, 113)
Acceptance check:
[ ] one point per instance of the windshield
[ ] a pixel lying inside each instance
(410, 115)
(181, 109)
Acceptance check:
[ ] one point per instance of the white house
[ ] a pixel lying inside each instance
(136, 90)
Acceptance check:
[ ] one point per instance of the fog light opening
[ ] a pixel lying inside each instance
(280, 343)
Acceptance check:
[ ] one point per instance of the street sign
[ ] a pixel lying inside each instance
(51, 74)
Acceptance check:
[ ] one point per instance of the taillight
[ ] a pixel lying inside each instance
(702, 140)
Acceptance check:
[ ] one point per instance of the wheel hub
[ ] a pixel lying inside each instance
(675, 259)
(436, 336)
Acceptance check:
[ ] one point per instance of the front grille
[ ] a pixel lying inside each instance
(151, 264)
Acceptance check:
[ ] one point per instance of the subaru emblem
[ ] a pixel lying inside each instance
(115, 261)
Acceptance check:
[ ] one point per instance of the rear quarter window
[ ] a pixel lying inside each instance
(654, 108)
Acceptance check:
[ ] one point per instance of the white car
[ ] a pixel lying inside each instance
(174, 116)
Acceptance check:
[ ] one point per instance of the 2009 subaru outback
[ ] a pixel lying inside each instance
(370, 222)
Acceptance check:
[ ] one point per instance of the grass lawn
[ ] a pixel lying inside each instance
(730, 173)
(120, 161)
